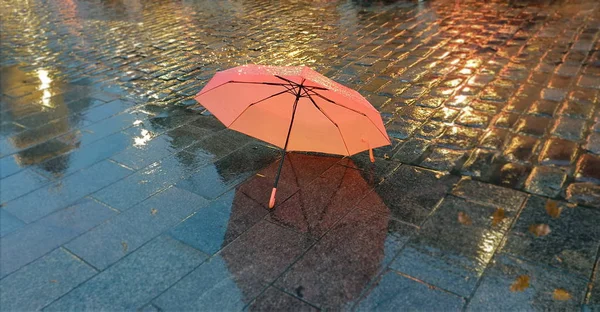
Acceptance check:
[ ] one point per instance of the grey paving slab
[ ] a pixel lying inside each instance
(452, 255)
(123, 234)
(144, 152)
(8, 222)
(229, 171)
(572, 243)
(133, 189)
(315, 208)
(218, 224)
(8, 166)
(61, 194)
(411, 193)
(86, 155)
(38, 284)
(238, 274)
(494, 292)
(335, 272)
(395, 292)
(274, 299)
(36, 239)
(489, 194)
(131, 283)
(20, 184)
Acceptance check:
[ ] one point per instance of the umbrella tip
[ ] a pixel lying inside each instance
(272, 200)
(371, 157)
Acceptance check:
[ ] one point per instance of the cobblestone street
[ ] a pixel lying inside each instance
(119, 192)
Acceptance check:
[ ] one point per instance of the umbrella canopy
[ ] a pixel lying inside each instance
(294, 108)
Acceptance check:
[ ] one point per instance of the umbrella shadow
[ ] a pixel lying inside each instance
(320, 205)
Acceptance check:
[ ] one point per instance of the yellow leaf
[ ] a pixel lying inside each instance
(386, 156)
(498, 216)
(464, 219)
(539, 229)
(520, 284)
(53, 281)
(552, 209)
(124, 244)
(153, 211)
(260, 175)
(561, 294)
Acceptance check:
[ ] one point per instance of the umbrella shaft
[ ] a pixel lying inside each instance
(287, 138)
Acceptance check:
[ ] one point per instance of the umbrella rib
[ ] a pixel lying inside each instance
(257, 102)
(333, 122)
(244, 82)
(296, 84)
(365, 115)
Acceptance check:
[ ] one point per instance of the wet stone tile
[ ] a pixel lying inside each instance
(449, 254)
(274, 299)
(511, 175)
(430, 130)
(220, 144)
(157, 266)
(20, 184)
(394, 290)
(317, 206)
(211, 181)
(443, 159)
(584, 193)
(576, 110)
(495, 287)
(571, 244)
(593, 143)
(587, 81)
(456, 137)
(63, 193)
(588, 168)
(121, 235)
(558, 152)
(237, 275)
(146, 150)
(489, 194)
(473, 119)
(506, 120)
(569, 128)
(9, 223)
(494, 139)
(401, 128)
(552, 94)
(520, 148)
(34, 240)
(543, 108)
(364, 243)
(445, 114)
(412, 150)
(219, 223)
(530, 125)
(411, 193)
(42, 281)
(546, 181)
(480, 164)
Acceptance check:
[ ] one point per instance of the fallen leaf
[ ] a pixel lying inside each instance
(498, 216)
(53, 281)
(260, 175)
(539, 229)
(520, 284)
(153, 211)
(124, 244)
(464, 218)
(552, 209)
(386, 156)
(561, 294)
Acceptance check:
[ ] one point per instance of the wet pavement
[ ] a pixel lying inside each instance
(117, 192)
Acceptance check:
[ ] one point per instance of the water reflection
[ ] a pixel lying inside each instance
(314, 193)
(47, 109)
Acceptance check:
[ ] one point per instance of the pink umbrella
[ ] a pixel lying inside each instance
(294, 108)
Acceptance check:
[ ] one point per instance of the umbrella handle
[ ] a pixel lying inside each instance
(272, 200)
(371, 157)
